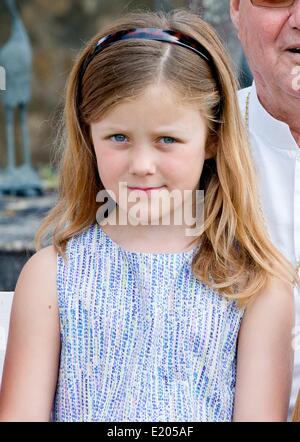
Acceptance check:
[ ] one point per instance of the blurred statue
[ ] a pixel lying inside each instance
(16, 59)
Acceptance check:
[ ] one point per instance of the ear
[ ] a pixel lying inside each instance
(235, 12)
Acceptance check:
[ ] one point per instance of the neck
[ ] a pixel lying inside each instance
(149, 238)
(281, 106)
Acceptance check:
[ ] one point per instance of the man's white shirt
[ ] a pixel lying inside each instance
(276, 157)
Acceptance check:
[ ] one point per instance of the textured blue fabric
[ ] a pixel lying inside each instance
(142, 339)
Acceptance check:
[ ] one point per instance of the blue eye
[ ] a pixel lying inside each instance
(169, 138)
(117, 135)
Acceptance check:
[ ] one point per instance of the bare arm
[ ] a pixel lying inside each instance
(265, 356)
(33, 348)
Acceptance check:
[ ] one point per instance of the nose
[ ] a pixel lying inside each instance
(294, 18)
(142, 161)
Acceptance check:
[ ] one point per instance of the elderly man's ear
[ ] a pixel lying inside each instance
(235, 12)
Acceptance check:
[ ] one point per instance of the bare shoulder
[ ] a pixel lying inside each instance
(32, 354)
(265, 355)
(43, 259)
(271, 311)
(38, 276)
(275, 299)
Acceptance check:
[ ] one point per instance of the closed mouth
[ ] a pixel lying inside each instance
(145, 188)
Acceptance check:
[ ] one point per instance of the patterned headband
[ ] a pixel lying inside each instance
(164, 35)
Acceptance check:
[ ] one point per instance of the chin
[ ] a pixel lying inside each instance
(148, 219)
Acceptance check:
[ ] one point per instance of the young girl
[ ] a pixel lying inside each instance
(138, 321)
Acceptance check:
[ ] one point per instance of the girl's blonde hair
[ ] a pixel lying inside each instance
(236, 257)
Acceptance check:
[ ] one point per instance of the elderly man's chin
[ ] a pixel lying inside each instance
(288, 77)
(283, 76)
(292, 75)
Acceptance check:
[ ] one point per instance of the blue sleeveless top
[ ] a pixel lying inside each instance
(141, 338)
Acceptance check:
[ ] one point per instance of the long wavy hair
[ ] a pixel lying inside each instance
(236, 256)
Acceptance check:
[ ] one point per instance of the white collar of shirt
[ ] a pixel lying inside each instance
(272, 132)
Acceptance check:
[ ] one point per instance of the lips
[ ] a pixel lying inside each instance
(294, 49)
(144, 188)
